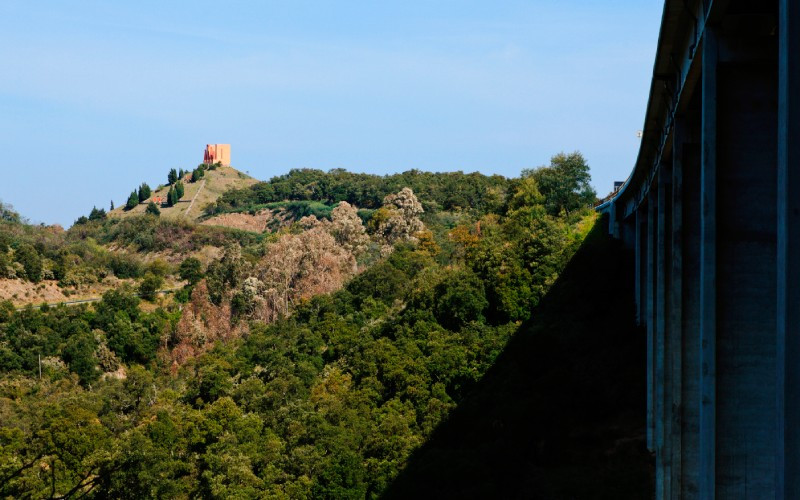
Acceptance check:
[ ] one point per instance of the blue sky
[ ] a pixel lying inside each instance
(96, 96)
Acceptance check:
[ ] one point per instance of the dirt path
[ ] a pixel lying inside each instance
(202, 185)
(84, 301)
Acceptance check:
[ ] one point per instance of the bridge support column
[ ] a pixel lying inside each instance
(788, 303)
(708, 268)
(686, 304)
(652, 378)
(739, 257)
(664, 343)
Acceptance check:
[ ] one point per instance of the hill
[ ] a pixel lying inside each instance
(197, 196)
(318, 359)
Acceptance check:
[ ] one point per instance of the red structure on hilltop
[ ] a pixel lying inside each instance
(217, 153)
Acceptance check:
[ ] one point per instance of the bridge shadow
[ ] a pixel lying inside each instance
(561, 414)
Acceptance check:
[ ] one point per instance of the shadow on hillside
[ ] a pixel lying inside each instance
(561, 414)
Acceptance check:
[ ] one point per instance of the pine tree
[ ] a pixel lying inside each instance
(172, 176)
(144, 192)
(181, 174)
(171, 197)
(133, 200)
(112, 206)
(179, 190)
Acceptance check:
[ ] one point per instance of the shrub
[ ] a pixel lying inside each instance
(149, 286)
(152, 209)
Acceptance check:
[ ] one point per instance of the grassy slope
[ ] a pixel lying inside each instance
(561, 413)
(216, 182)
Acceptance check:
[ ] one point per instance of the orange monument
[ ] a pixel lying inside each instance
(217, 153)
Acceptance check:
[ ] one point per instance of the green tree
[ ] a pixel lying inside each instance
(112, 206)
(196, 175)
(172, 176)
(97, 214)
(79, 353)
(144, 192)
(171, 197)
(191, 270)
(152, 209)
(133, 200)
(179, 189)
(565, 183)
(31, 261)
(150, 286)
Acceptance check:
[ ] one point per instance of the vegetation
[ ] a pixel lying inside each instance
(307, 363)
(133, 200)
(152, 209)
(144, 192)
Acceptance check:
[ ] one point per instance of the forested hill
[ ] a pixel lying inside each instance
(312, 359)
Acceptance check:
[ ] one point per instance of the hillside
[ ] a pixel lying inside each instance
(197, 195)
(318, 359)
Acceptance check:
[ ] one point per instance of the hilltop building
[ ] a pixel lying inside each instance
(217, 153)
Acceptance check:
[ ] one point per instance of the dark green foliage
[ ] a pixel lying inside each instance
(31, 261)
(144, 192)
(149, 286)
(191, 270)
(152, 209)
(112, 206)
(133, 200)
(459, 299)
(436, 191)
(172, 176)
(171, 198)
(79, 354)
(179, 190)
(97, 214)
(81, 220)
(125, 266)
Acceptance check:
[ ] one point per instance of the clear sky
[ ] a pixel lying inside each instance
(98, 96)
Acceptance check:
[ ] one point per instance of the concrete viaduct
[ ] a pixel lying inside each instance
(712, 211)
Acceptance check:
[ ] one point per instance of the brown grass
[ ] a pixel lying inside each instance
(216, 182)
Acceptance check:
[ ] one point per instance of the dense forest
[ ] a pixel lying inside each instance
(311, 361)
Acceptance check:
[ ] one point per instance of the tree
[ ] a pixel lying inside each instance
(150, 286)
(179, 189)
(172, 176)
(31, 261)
(171, 197)
(7, 213)
(399, 218)
(112, 206)
(565, 183)
(191, 270)
(144, 192)
(196, 175)
(97, 214)
(152, 209)
(133, 200)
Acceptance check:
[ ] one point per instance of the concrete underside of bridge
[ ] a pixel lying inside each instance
(712, 210)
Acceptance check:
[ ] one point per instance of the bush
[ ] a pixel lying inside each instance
(149, 286)
(152, 209)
